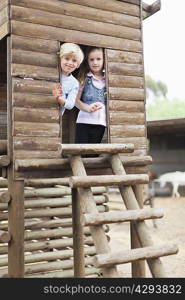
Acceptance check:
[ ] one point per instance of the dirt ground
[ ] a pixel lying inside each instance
(170, 228)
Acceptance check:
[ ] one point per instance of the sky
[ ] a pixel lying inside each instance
(164, 46)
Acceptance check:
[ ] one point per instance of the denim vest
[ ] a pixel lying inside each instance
(92, 94)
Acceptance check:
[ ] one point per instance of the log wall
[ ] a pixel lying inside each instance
(3, 90)
(126, 93)
(38, 27)
(48, 238)
(35, 113)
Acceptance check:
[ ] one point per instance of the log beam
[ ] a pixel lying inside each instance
(4, 161)
(93, 272)
(122, 257)
(107, 180)
(5, 236)
(78, 149)
(121, 216)
(5, 197)
(150, 9)
(63, 163)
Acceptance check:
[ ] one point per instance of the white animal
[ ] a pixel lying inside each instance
(175, 178)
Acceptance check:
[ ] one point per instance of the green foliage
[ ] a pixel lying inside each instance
(163, 108)
(158, 88)
(158, 106)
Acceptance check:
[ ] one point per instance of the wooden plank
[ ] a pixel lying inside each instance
(113, 6)
(4, 30)
(32, 86)
(124, 57)
(127, 130)
(23, 154)
(126, 106)
(125, 81)
(4, 15)
(117, 118)
(35, 129)
(50, 19)
(34, 101)
(3, 3)
(139, 142)
(136, 170)
(126, 94)
(35, 72)
(82, 12)
(42, 115)
(36, 143)
(66, 35)
(34, 58)
(125, 69)
(38, 45)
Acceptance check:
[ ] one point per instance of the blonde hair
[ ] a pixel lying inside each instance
(72, 49)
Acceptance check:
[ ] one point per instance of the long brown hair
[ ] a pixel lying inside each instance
(84, 68)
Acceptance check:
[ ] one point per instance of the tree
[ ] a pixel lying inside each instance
(158, 88)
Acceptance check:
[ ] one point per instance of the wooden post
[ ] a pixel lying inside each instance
(78, 236)
(16, 190)
(138, 267)
(16, 227)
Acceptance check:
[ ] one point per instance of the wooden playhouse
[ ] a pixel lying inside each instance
(53, 212)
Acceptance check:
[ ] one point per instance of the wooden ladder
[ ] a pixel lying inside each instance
(85, 213)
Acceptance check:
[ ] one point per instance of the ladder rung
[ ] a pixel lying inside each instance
(107, 180)
(122, 216)
(77, 149)
(122, 257)
(4, 161)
